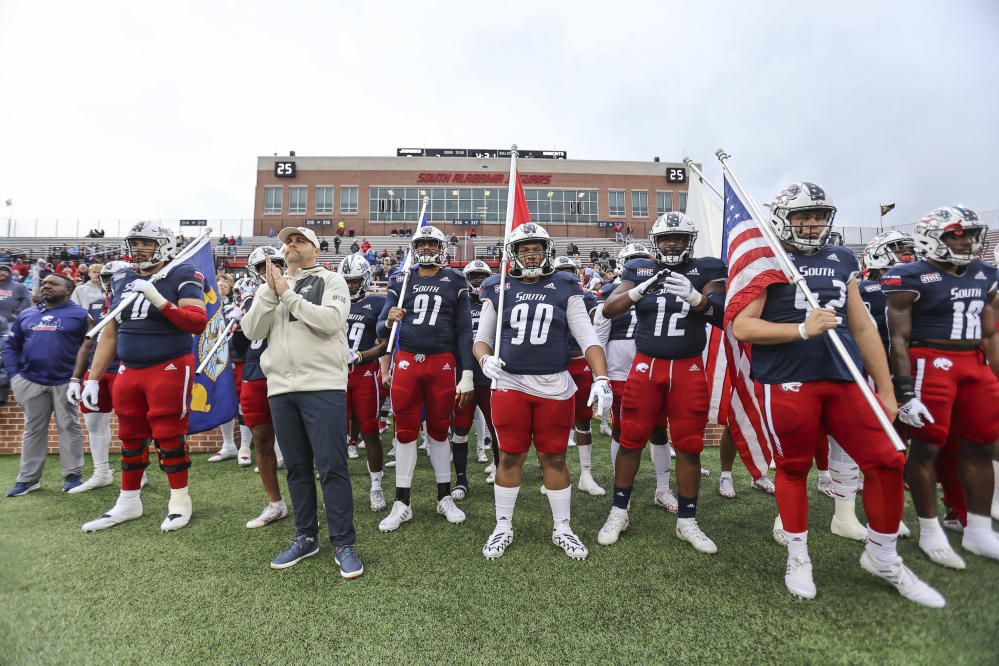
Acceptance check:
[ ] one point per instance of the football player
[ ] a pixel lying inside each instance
(667, 381)
(229, 299)
(534, 400)
(435, 340)
(363, 381)
(943, 340)
(806, 389)
(152, 338)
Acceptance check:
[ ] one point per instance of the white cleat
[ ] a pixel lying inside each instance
(705, 471)
(773, 464)
(725, 487)
(361, 445)
(688, 530)
(243, 458)
(144, 481)
(848, 529)
(780, 536)
(490, 468)
(179, 512)
(617, 522)
(765, 484)
(459, 493)
(798, 577)
(391, 453)
(942, 554)
(953, 523)
(481, 455)
(223, 454)
(588, 485)
(496, 543)
(271, 513)
(491, 477)
(118, 514)
(95, 481)
(377, 499)
(352, 452)
(572, 442)
(667, 500)
(904, 580)
(903, 530)
(447, 508)
(995, 506)
(605, 429)
(567, 540)
(390, 463)
(984, 543)
(399, 514)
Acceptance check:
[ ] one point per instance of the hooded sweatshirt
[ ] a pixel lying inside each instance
(14, 298)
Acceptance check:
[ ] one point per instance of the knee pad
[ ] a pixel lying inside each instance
(173, 454)
(135, 454)
(585, 430)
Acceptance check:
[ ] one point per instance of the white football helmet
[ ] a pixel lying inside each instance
(430, 258)
(958, 220)
(531, 232)
(673, 222)
(245, 286)
(835, 238)
(166, 242)
(475, 272)
(887, 249)
(356, 267)
(634, 251)
(109, 269)
(795, 198)
(259, 257)
(566, 264)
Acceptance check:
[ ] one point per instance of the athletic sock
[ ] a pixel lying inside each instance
(978, 523)
(622, 496)
(615, 445)
(585, 458)
(687, 506)
(443, 489)
(881, 546)
(459, 447)
(506, 500)
(661, 464)
(560, 502)
(99, 434)
(440, 460)
(480, 428)
(245, 436)
(376, 479)
(402, 495)
(405, 465)
(229, 435)
(726, 474)
(797, 544)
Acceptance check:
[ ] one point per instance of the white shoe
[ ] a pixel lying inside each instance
(617, 522)
(491, 478)
(481, 454)
(390, 463)
(271, 513)
(773, 464)
(391, 453)
(903, 530)
(688, 530)
(667, 500)
(940, 552)
(605, 429)
(223, 454)
(567, 540)
(352, 451)
(765, 484)
(179, 512)
(953, 523)
(588, 485)
(447, 508)
(144, 481)
(377, 499)
(399, 514)
(572, 442)
(543, 490)
(361, 445)
(904, 580)
(280, 463)
(705, 471)
(459, 493)
(98, 480)
(496, 543)
(995, 506)
(780, 536)
(490, 468)
(984, 543)
(725, 487)
(119, 513)
(243, 458)
(798, 577)
(825, 485)
(848, 529)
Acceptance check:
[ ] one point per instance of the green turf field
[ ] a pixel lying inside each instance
(205, 594)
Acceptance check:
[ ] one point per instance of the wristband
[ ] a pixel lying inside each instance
(635, 294)
(802, 332)
(904, 389)
(601, 377)
(74, 379)
(360, 358)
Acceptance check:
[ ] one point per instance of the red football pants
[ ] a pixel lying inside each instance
(364, 397)
(939, 377)
(520, 417)
(580, 371)
(428, 382)
(660, 390)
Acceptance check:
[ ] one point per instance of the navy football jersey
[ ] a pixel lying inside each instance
(827, 273)
(437, 317)
(145, 337)
(97, 310)
(877, 306)
(535, 333)
(475, 309)
(251, 366)
(667, 326)
(590, 301)
(947, 307)
(362, 321)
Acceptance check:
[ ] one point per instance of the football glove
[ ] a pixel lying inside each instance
(600, 392)
(233, 312)
(146, 288)
(915, 414)
(491, 366)
(680, 286)
(653, 283)
(73, 392)
(91, 394)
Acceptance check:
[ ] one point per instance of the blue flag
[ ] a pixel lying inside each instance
(213, 396)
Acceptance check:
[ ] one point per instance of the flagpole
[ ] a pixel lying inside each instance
(796, 279)
(407, 265)
(511, 198)
(689, 163)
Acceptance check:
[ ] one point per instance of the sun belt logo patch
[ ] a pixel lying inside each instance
(791, 387)
(942, 363)
(930, 277)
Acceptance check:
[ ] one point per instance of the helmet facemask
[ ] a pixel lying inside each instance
(941, 249)
(533, 263)
(674, 254)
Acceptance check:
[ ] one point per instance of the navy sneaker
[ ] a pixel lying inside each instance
(72, 481)
(22, 488)
(300, 548)
(350, 563)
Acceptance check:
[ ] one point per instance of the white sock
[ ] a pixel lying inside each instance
(245, 436)
(995, 473)
(277, 504)
(376, 479)
(440, 460)
(615, 445)
(978, 524)
(277, 452)
(931, 534)
(405, 463)
(481, 429)
(128, 497)
(726, 475)
(824, 475)
(99, 435)
(506, 500)
(846, 509)
(843, 471)
(228, 435)
(881, 546)
(797, 544)
(660, 461)
(560, 501)
(585, 458)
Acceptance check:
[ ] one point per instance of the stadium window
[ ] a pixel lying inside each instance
(615, 202)
(272, 200)
(348, 200)
(664, 203)
(298, 200)
(324, 200)
(639, 203)
(683, 202)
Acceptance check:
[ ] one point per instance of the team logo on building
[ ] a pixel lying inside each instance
(942, 363)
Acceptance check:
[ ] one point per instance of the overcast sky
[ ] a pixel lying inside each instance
(130, 110)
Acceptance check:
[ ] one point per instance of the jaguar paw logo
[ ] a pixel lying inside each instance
(790, 387)
(642, 367)
(402, 365)
(942, 363)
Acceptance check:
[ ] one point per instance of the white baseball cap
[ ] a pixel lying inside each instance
(308, 233)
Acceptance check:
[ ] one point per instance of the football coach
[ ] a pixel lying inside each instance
(302, 316)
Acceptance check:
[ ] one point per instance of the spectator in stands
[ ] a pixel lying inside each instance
(571, 250)
(232, 240)
(594, 256)
(350, 232)
(454, 241)
(618, 236)
(19, 268)
(339, 228)
(14, 298)
(324, 245)
(384, 254)
(595, 282)
(409, 233)
(365, 245)
(239, 239)
(629, 232)
(90, 291)
(336, 244)
(64, 253)
(394, 232)
(74, 250)
(271, 233)
(473, 233)
(370, 256)
(354, 247)
(399, 253)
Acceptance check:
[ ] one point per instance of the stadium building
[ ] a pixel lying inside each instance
(467, 188)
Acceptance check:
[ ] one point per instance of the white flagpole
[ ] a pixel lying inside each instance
(689, 163)
(796, 279)
(186, 253)
(511, 199)
(406, 270)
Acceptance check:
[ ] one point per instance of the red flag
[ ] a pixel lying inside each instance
(521, 214)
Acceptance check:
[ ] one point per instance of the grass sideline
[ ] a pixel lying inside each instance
(133, 594)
